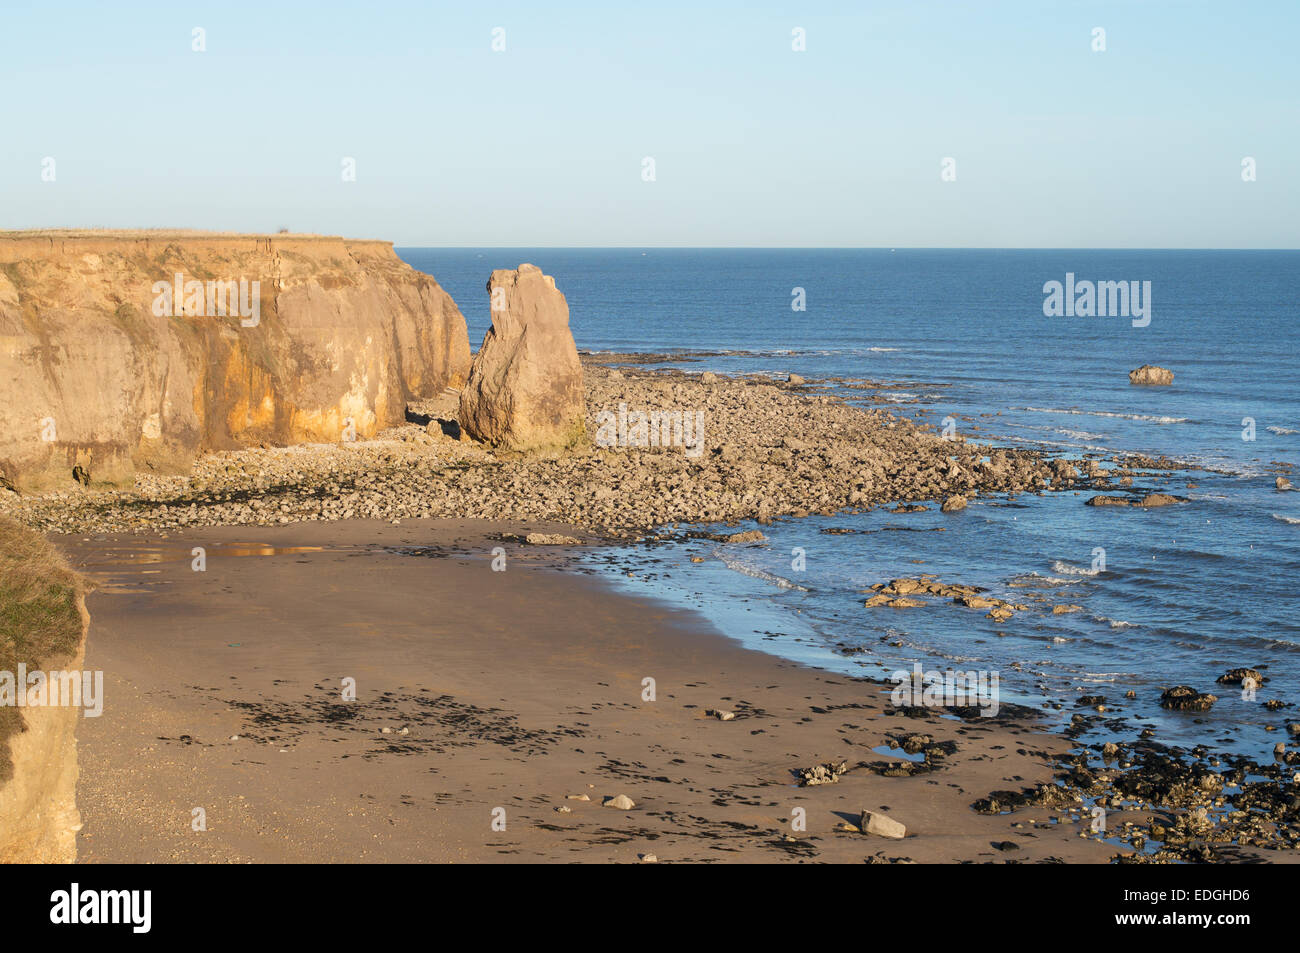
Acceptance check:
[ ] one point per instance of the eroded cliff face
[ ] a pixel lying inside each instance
(110, 362)
(39, 818)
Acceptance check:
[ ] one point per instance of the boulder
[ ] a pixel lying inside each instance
(1282, 483)
(551, 539)
(873, 822)
(1186, 698)
(1238, 675)
(1148, 375)
(954, 504)
(620, 802)
(1161, 499)
(525, 385)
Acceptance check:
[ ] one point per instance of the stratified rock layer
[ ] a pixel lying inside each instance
(525, 387)
(95, 380)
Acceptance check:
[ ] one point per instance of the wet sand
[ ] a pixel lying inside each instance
(515, 689)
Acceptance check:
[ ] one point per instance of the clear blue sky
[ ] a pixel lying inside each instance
(754, 144)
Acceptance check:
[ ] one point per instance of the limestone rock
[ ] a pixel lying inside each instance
(551, 539)
(343, 335)
(620, 802)
(954, 504)
(1150, 375)
(873, 822)
(525, 387)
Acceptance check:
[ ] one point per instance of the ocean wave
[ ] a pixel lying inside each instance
(1067, 569)
(1150, 418)
(1034, 579)
(1281, 430)
(735, 565)
(1039, 442)
(1293, 520)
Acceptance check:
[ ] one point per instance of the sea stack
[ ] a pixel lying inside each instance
(1148, 375)
(525, 385)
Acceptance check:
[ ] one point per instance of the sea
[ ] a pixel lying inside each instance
(1169, 596)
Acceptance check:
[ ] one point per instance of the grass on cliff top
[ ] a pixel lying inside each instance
(39, 620)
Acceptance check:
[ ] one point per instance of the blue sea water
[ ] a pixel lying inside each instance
(1187, 593)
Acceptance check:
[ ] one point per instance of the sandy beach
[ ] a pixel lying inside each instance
(478, 690)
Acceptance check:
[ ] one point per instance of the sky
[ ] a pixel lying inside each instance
(754, 143)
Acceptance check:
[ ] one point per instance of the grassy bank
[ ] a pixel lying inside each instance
(39, 619)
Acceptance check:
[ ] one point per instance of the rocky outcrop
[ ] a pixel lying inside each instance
(525, 388)
(1149, 375)
(122, 351)
(1186, 698)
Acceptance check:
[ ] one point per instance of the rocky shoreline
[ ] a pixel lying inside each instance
(761, 450)
(765, 450)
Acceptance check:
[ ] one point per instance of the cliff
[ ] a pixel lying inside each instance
(129, 350)
(43, 611)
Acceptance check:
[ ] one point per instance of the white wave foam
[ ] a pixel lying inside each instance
(735, 565)
(1281, 430)
(1066, 569)
(1151, 418)
(1293, 520)
(1034, 579)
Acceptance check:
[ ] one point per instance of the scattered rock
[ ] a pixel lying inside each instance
(795, 379)
(1238, 675)
(719, 714)
(1186, 698)
(1282, 483)
(873, 822)
(1151, 376)
(954, 504)
(620, 802)
(1161, 499)
(551, 539)
(748, 536)
(827, 773)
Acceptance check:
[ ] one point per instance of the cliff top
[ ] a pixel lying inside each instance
(161, 234)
